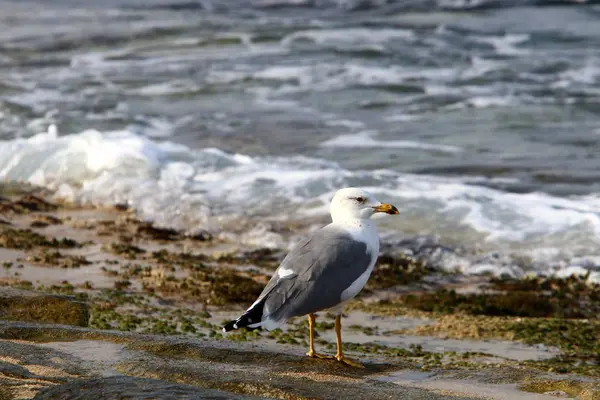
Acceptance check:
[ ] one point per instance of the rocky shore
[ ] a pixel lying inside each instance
(95, 303)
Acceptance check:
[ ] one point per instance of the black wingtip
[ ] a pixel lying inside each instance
(251, 317)
(229, 326)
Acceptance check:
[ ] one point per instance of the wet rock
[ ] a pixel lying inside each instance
(54, 257)
(558, 393)
(14, 371)
(129, 251)
(22, 305)
(564, 388)
(127, 387)
(31, 360)
(35, 203)
(202, 236)
(397, 270)
(156, 233)
(27, 368)
(6, 393)
(218, 286)
(39, 224)
(25, 239)
(137, 366)
(42, 221)
(121, 207)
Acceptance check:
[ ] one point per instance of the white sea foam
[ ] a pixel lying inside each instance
(346, 123)
(328, 76)
(588, 74)
(365, 139)
(348, 35)
(505, 216)
(176, 186)
(506, 44)
(491, 101)
(403, 118)
(481, 66)
(179, 86)
(460, 4)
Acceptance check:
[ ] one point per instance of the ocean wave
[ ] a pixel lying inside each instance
(174, 185)
(348, 36)
(365, 139)
(349, 5)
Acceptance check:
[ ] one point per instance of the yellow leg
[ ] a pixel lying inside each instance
(311, 343)
(340, 354)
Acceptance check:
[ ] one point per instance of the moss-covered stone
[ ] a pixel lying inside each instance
(19, 305)
(227, 286)
(32, 202)
(127, 387)
(521, 304)
(26, 239)
(579, 341)
(394, 271)
(122, 284)
(46, 220)
(20, 203)
(148, 230)
(217, 286)
(572, 297)
(54, 257)
(265, 257)
(550, 297)
(573, 388)
(185, 260)
(6, 393)
(125, 249)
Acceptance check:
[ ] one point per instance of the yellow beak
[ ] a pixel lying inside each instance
(386, 208)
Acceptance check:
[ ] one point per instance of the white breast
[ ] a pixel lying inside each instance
(364, 231)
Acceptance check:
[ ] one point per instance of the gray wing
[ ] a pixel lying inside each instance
(322, 268)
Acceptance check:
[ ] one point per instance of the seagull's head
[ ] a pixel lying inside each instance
(355, 203)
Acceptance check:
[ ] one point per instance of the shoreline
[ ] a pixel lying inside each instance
(443, 333)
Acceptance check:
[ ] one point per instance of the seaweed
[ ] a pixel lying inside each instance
(26, 239)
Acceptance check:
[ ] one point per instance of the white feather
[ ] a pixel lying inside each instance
(364, 231)
(283, 273)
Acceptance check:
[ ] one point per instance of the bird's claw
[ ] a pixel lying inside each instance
(314, 354)
(349, 362)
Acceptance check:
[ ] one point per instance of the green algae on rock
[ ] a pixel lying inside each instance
(573, 388)
(449, 302)
(127, 387)
(26, 239)
(54, 257)
(21, 305)
(125, 249)
(555, 312)
(174, 290)
(395, 271)
(6, 393)
(263, 257)
(216, 285)
(579, 341)
(539, 297)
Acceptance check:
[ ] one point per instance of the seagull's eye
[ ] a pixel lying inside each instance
(361, 199)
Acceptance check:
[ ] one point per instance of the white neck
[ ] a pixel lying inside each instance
(341, 215)
(362, 229)
(356, 224)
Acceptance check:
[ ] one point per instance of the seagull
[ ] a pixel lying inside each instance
(323, 272)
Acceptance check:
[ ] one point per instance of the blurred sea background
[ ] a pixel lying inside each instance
(479, 120)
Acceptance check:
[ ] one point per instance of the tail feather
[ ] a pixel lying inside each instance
(251, 319)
